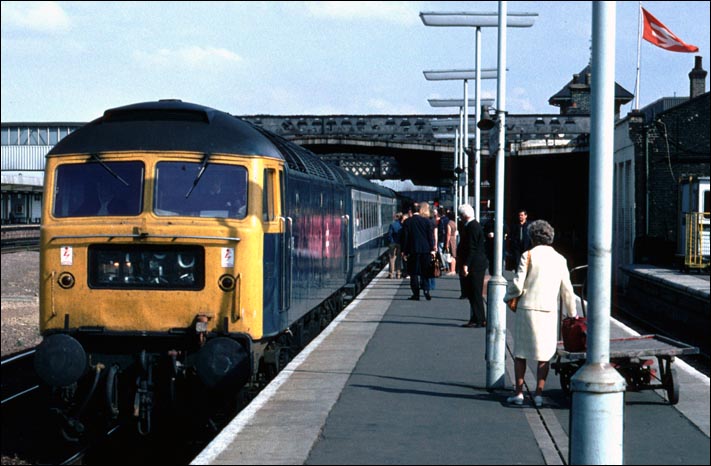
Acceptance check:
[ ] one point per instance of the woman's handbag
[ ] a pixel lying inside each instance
(575, 333)
(513, 302)
(436, 266)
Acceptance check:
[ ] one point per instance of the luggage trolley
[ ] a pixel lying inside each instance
(633, 357)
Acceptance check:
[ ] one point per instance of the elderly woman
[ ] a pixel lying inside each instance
(541, 281)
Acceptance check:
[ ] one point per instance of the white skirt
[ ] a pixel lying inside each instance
(535, 334)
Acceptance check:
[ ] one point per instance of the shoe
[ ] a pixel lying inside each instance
(538, 401)
(483, 324)
(428, 296)
(470, 325)
(515, 400)
(414, 298)
(390, 275)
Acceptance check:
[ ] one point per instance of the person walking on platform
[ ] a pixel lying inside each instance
(418, 246)
(541, 281)
(451, 242)
(472, 265)
(394, 246)
(520, 241)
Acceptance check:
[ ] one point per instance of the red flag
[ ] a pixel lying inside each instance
(658, 34)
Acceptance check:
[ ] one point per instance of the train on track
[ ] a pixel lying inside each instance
(184, 252)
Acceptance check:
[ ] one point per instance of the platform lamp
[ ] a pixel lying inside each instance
(476, 20)
(496, 310)
(465, 76)
(464, 132)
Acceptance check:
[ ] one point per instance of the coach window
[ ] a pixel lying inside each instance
(268, 195)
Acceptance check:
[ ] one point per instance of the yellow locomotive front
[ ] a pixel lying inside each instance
(151, 263)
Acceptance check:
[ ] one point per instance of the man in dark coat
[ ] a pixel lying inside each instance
(520, 241)
(418, 247)
(472, 265)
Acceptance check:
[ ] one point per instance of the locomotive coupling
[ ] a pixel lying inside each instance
(201, 321)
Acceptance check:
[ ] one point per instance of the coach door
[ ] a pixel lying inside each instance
(286, 247)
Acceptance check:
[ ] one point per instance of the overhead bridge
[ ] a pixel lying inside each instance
(420, 147)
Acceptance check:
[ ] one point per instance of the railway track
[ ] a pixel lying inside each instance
(31, 432)
(18, 377)
(19, 237)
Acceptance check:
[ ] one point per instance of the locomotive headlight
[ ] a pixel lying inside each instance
(226, 282)
(60, 360)
(66, 280)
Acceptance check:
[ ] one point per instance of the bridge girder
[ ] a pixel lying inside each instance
(424, 164)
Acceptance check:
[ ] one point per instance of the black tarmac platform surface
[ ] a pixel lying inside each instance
(395, 381)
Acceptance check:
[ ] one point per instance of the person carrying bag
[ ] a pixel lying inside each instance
(513, 302)
(541, 281)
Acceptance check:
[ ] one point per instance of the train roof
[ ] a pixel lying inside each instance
(174, 125)
(166, 125)
(305, 161)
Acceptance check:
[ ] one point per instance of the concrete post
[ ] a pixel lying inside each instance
(465, 142)
(596, 425)
(477, 139)
(456, 175)
(495, 307)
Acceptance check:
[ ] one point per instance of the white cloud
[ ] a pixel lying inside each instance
(394, 12)
(44, 17)
(192, 57)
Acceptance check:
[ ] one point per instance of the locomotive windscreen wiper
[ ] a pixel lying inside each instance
(203, 166)
(108, 169)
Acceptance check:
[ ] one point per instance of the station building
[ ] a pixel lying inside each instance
(24, 147)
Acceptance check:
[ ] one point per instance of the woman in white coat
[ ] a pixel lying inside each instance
(541, 282)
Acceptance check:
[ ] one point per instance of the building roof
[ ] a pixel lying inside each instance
(581, 82)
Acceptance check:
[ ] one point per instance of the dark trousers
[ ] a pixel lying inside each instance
(418, 268)
(473, 290)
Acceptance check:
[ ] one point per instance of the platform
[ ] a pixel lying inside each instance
(393, 381)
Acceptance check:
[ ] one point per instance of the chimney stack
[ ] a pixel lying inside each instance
(697, 79)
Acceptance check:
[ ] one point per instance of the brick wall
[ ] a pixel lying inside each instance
(677, 145)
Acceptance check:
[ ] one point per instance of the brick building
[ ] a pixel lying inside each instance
(655, 149)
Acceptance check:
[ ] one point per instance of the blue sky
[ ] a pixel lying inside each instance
(69, 61)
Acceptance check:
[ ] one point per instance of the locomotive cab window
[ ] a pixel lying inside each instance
(185, 189)
(268, 197)
(98, 189)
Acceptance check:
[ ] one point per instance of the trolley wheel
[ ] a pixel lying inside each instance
(565, 376)
(672, 386)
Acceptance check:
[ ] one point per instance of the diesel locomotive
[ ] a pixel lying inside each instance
(184, 251)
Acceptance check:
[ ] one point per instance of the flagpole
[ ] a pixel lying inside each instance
(639, 48)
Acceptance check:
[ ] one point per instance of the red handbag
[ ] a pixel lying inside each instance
(575, 333)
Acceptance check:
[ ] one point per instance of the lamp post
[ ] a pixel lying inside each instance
(476, 20)
(496, 310)
(596, 425)
(463, 132)
(466, 75)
